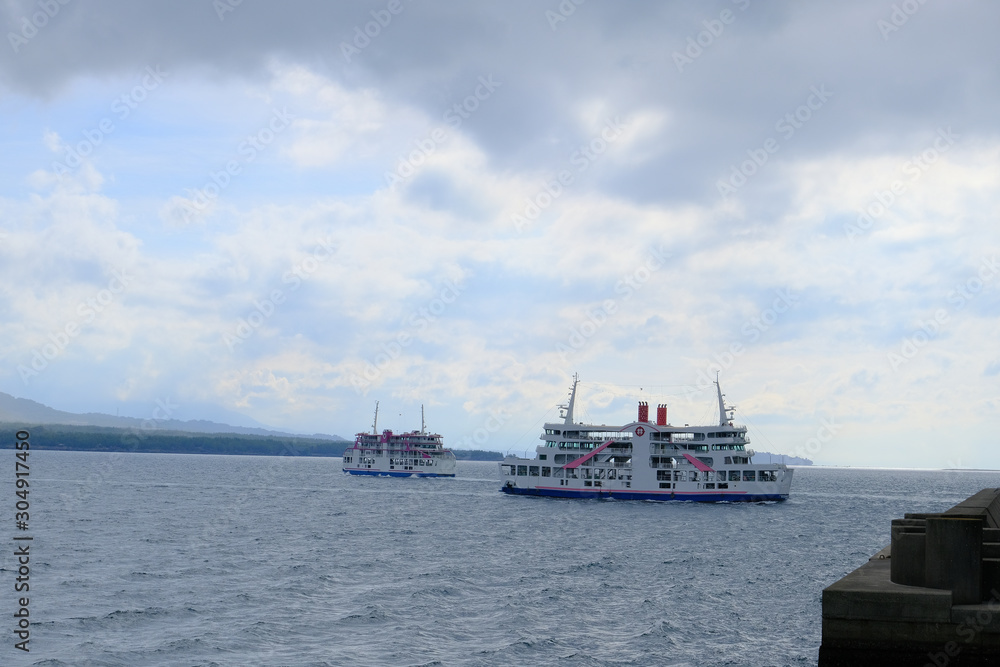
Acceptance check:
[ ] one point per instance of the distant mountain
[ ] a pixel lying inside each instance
(25, 411)
(768, 457)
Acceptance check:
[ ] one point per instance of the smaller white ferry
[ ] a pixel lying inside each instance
(644, 460)
(417, 453)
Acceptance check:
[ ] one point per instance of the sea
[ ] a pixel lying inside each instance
(165, 559)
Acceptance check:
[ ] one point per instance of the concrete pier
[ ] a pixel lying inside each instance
(929, 599)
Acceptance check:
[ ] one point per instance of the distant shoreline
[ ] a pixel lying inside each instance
(64, 437)
(827, 466)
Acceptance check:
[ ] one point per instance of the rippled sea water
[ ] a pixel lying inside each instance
(150, 559)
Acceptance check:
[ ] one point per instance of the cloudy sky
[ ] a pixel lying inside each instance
(283, 212)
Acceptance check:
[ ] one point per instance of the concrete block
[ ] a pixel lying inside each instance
(977, 624)
(868, 594)
(841, 631)
(908, 564)
(953, 558)
(991, 580)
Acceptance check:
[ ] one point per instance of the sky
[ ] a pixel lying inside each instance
(281, 213)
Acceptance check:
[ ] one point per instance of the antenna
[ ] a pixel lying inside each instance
(423, 424)
(722, 405)
(375, 424)
(724, 411)
(572, 399)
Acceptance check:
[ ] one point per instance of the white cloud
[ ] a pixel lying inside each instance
(320, 321)
(341, 124)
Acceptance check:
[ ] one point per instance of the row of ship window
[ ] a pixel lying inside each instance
(382, 452)
(395, 462)
(587, 446)
(671, 462)
(409, 463)
(661, 475)
(669, 437)
(700, 448)
(361, 459)
(567, 458)
(572, 473)
(656, 435)
(717, 475)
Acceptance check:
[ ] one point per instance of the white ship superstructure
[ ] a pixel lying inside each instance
(646, 460)
(417, 453)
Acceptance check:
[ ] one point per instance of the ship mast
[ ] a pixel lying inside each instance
(423, 425)
(572, 400)
(724, 417)
(375, 424)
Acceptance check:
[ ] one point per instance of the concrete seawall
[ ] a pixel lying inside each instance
(931, 598)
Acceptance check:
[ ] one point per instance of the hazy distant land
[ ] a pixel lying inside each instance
(768, 457)
(109, 439)
(96, 432)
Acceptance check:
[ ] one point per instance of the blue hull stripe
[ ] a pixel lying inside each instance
(637, 495)
(395, 473)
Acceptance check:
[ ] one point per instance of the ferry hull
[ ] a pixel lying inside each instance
(396, 473)
(661, 496)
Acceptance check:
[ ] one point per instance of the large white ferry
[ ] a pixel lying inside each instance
(646, 461)
(391, 454)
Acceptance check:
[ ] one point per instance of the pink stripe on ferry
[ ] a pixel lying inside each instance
(585, 457)
(698, 464)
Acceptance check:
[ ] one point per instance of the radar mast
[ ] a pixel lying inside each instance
(568, 409)
(725, 412)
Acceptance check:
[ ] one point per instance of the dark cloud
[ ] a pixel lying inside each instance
(940, 66)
